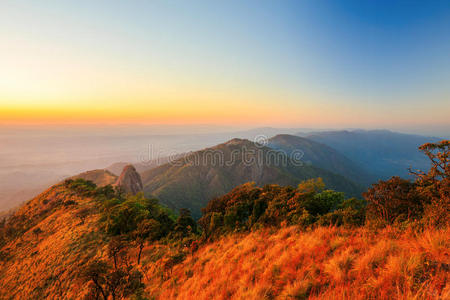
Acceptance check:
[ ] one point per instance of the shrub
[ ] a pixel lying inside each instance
(81, 187)
(393, 200)
(248, 206)
(350, 213)
(122, 216)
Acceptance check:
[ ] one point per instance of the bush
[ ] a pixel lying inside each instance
(248, 206)
(393, 200)
(81, 187)
(350, 213)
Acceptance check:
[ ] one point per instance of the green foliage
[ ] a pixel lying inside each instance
(248, 206)
(81, 187)
(191, 185)
(350, 212)
(122, 215)
(185, 225)
(141, 219)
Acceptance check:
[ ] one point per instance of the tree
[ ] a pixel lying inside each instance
(393, 200)
(115, 246)
(115, 281)
(122, 216)
(435, 184)
(119, 283)
(166, 223)
(148, 229)
(96, 272)
(185, 224)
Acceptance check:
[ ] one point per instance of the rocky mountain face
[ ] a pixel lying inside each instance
(129, 181)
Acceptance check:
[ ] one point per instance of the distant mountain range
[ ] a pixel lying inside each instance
(381, 152)
(192, 181)
(322, 156)
(348, 161)
(362, 157)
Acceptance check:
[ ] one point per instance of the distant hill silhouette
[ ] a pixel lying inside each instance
(322, 156)
(382, 152)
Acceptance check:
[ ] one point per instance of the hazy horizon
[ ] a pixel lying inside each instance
(183, 129)
(34, 157)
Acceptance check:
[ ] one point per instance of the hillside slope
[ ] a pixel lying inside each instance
(47, 262)
(100, 177)
(382, 152)
(325, 263)
(322, 156)
(200, 176)
(274, 262)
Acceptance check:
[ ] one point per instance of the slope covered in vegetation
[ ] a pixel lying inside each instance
(323, 263)
(190, 182)
(322, 156)
(80, 241)
(277, 261)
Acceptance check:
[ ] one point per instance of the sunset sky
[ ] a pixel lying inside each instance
(368, 64)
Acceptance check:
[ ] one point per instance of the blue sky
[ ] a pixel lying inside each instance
(305, 63)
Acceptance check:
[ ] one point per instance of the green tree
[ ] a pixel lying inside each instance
(148, 229)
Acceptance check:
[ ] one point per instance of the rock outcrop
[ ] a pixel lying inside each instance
(129, 181)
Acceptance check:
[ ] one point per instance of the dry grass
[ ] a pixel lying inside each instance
(285, 263)
(326, 263)
(49, 266)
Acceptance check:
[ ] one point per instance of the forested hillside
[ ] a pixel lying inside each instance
(192, 181)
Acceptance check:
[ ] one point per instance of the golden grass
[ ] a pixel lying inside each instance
(48, 266)
(284, 263)
(325, 263)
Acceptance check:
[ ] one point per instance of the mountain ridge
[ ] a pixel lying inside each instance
(192, 181)
(323, 156)
(384, 153)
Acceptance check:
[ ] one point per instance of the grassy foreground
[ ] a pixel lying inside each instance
(324, 263)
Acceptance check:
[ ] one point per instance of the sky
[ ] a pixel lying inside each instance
(358, 64)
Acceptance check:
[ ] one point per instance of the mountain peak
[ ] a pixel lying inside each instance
(129, 180)
(236, 141)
